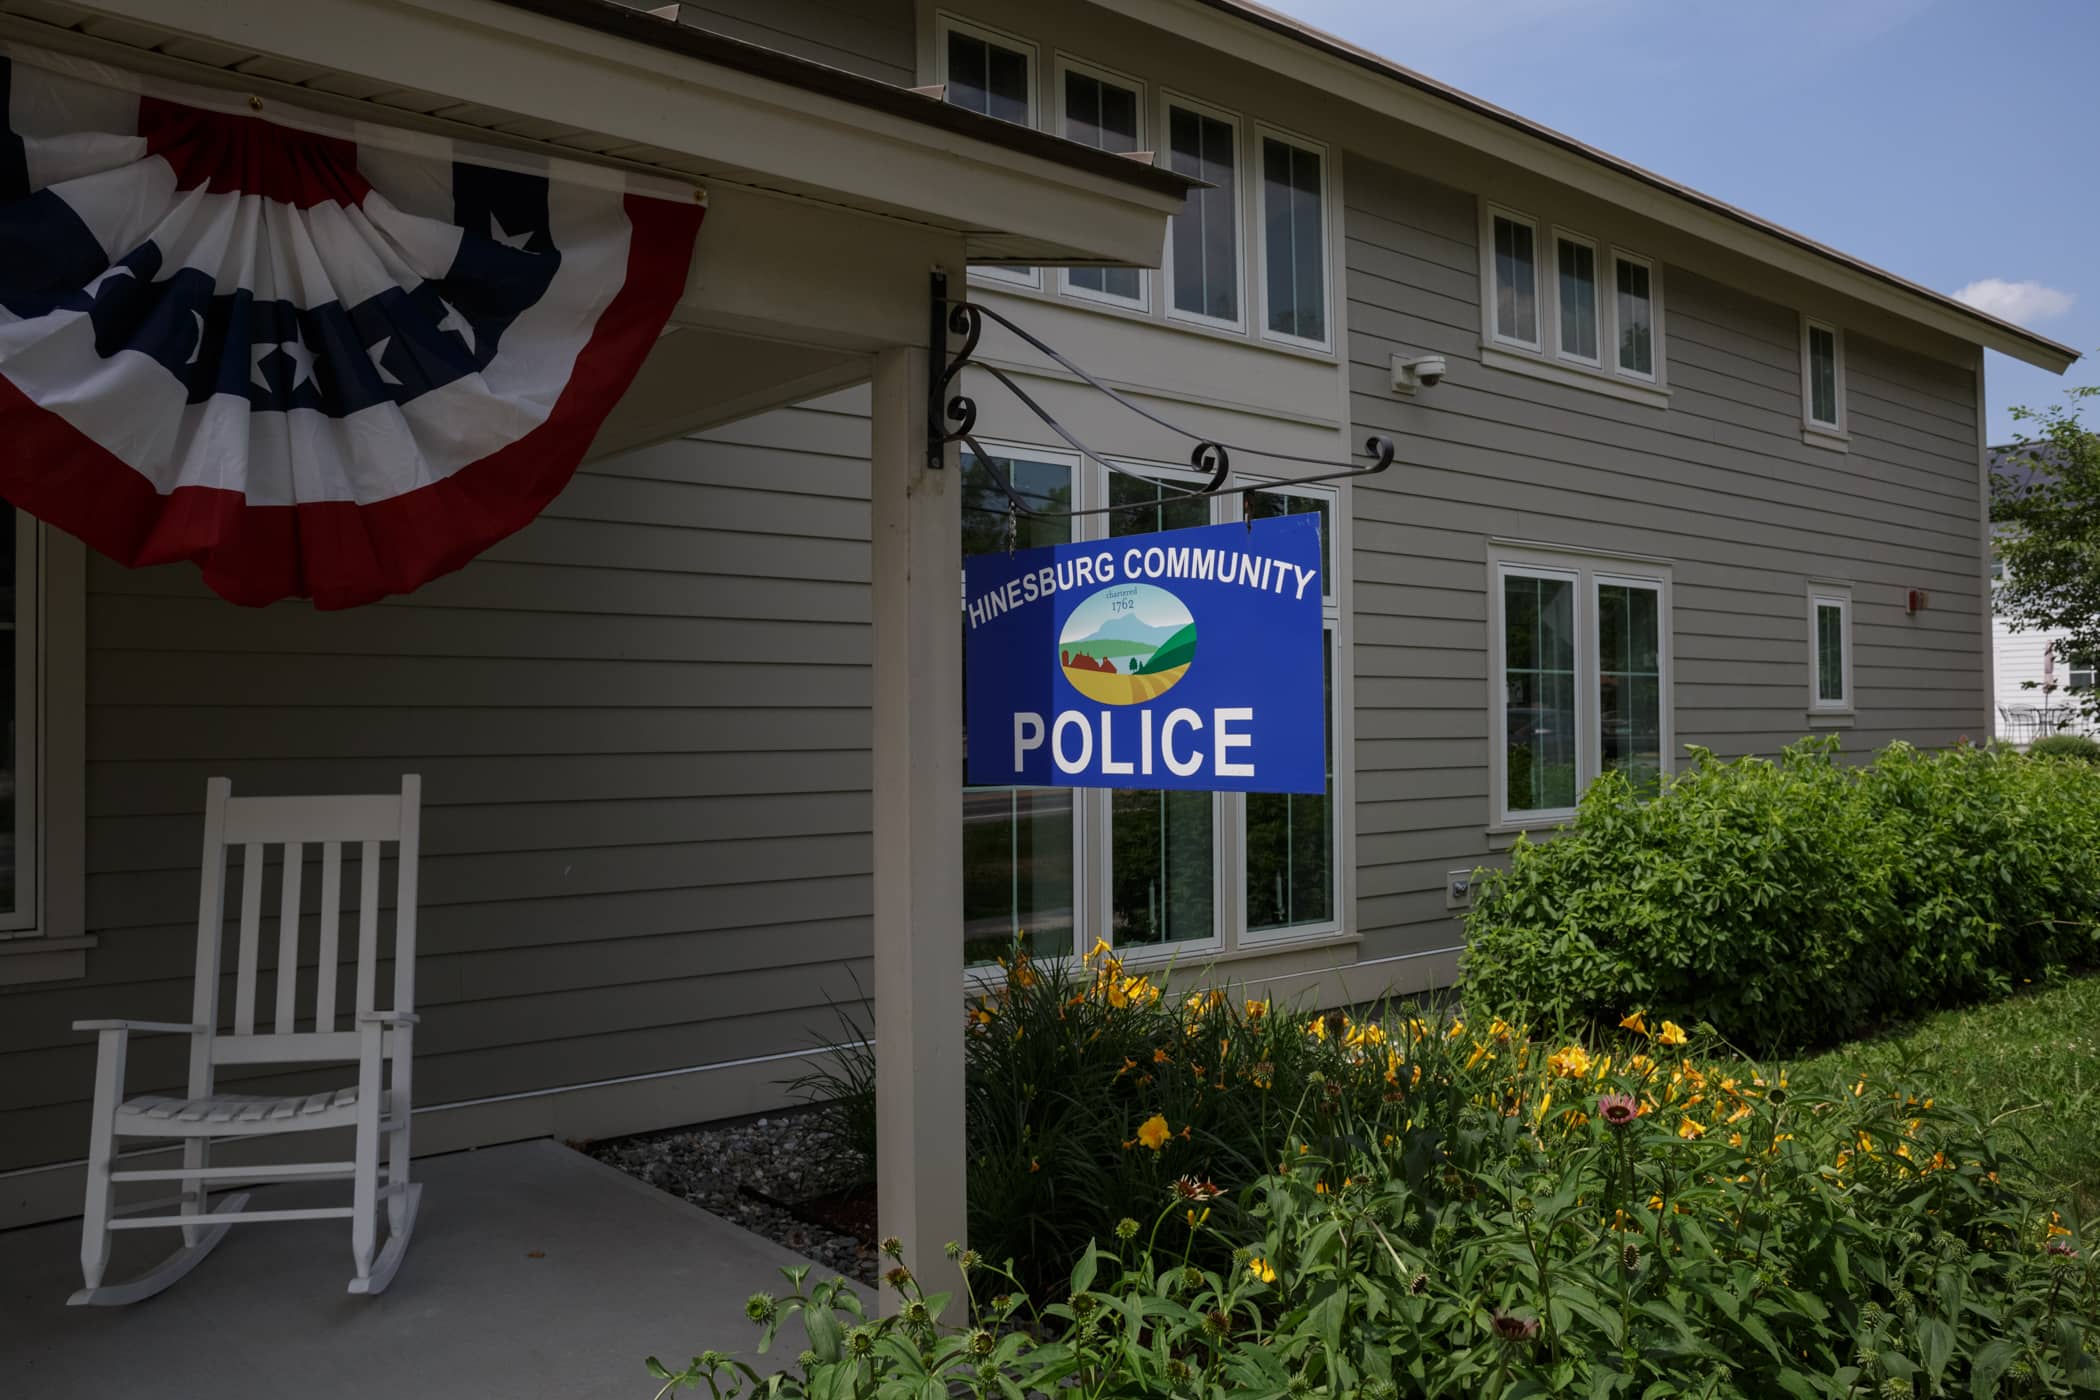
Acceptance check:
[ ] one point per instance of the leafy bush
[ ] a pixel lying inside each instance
(1798, 902)
(2078, 746)
(1502, 1221)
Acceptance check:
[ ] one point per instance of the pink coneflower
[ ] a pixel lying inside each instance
(1513, 1329)
(2062, 1248)
(1617, 1110)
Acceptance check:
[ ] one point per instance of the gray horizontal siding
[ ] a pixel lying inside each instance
(642, 725)
(1720, 484)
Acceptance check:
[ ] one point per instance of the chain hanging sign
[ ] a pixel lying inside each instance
(1190, 659)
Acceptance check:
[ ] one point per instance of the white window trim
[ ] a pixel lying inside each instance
(1655, 316)
(1542, 361)
(1490, 328)
(1093, 871)
(1585, 570)
(48, 941)
(946, 22)
(1814, 431)
(1257, 183)
(1824, 594)
(1599, 259)
(1064, 63)
(1168, 100)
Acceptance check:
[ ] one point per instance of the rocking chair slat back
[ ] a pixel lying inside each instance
(283, 829)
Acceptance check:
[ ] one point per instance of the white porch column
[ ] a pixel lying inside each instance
(917, 526)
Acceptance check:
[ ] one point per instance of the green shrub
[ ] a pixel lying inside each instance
(1482, 1229)
(2078, 746)
(1796, 903)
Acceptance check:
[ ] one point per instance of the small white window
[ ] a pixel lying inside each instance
(1105, 110)
(1294, 240)
(1203, 244)
(1830, 648)
(1634, 309)
(1513, 273)
(1579, 655)
(989, 71)
(1575, 264)
(1823, 376)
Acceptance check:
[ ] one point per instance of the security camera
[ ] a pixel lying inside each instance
(1423, 371)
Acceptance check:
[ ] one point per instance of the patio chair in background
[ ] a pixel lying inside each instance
(375, 1110)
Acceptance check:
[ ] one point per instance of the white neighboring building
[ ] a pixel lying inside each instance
(2033, 672)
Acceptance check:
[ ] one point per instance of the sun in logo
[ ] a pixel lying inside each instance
(1127, 644)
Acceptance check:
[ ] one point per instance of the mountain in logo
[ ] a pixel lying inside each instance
(1127, 643)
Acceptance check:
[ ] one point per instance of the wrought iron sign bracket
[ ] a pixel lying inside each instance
(952, 417)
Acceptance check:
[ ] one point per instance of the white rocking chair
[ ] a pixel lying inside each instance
(372, 1109)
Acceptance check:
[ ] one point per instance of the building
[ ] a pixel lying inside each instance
(2034, 673)
(1666, 475)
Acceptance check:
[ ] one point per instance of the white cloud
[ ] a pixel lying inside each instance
(2023, 302)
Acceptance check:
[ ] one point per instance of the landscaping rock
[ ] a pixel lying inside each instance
(786, 1156)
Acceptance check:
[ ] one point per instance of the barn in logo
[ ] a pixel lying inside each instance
(1127, 643)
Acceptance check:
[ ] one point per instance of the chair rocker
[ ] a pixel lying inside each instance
(373, 1109)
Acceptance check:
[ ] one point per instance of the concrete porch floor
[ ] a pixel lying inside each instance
(623, 1272)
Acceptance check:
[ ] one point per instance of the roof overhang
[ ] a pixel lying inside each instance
(1357, 75)
(595, 80)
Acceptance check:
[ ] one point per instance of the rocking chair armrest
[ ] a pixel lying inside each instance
(387, 1018)
(141, 1027)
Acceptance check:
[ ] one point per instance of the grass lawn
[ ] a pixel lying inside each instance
(2032, 1061)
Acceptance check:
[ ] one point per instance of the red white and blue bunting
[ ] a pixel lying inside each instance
(318, 357)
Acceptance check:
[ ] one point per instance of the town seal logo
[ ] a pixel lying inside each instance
(1127, 644)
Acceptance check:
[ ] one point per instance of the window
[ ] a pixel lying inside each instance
(1577, 307)
(1292, 876)
(986, 71)
(2081, 674)
(1580, 659)
(1294, 241)
(1823, 377)
(1165, 870)
(1514, 289)
(1830, 648)
(1203, 245)
(1020, 845)
(20, 690)
(1636, 315)
(1105, 112)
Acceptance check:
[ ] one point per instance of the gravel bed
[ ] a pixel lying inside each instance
(785, 1155)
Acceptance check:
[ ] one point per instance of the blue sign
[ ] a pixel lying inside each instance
(1185, 659)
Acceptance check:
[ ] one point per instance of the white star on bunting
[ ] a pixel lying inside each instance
(455, 322)
(198, 348)
(377, 350)
(302, 361)
(506, 238)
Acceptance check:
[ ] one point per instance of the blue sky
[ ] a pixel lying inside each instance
(1949, 141)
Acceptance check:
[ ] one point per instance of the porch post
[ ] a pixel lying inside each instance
(917, 536)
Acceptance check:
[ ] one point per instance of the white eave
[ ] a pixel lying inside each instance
(593, 80)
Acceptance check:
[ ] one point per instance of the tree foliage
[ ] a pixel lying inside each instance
(2050, 543)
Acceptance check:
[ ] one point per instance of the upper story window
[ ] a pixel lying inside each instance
(1203, 246)
(1515, 285)
(989, 72)
(1580, 658)
(1294, 240)
(1105, 111)
(1635, 308)
(1822, 377)
(1577, 260)
(1569, 308)
(1830, 648)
